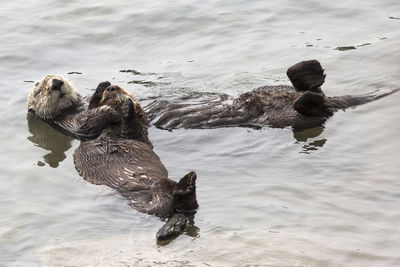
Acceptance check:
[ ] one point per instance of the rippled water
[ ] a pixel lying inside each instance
(327, 196)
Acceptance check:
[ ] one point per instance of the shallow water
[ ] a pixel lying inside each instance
(327, 196)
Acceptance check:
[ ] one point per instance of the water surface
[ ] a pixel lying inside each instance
(326, 196)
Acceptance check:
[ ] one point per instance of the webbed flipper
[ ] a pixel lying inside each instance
(312, 104)
(162, 202)
(175, 226)
(307, 76)
(185, 193)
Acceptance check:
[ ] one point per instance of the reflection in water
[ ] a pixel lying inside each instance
(191, 229)
(48, 138)
(304, 134)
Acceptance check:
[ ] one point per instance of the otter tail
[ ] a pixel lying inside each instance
(342, 102)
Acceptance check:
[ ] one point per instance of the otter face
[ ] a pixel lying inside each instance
(115, 96)
(50, 96)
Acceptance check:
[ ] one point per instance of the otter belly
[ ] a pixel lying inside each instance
(263, 106)
(126, 165)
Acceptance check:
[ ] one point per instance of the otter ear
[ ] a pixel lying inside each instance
(307, 76)
(311, 104)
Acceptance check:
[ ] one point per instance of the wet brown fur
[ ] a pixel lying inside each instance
(302, 106)
(122, 157)
(131, 167)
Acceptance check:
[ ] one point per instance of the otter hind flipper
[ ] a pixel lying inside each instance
(312, 104)
(185, 193)
(307, 76)
(187, 184)
(162, 203)
(175, 226)
(169, 196)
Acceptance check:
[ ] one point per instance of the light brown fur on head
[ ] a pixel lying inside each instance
(47, 103)
(115, 98)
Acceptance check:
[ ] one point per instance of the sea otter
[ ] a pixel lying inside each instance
(302, 106)
(115, 149)
(124, 161)
(56, 101)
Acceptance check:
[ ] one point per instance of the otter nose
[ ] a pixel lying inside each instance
(56, 85)
(111, 88)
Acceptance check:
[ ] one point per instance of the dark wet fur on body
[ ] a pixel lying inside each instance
(115, 151)
(122, 159)
(302, 106)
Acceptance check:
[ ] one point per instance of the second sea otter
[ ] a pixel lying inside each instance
(302, 106)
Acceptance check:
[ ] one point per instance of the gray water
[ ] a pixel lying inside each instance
(326, 196)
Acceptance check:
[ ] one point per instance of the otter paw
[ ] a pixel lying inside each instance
(311, 104)
(128, 108)
(102, 86)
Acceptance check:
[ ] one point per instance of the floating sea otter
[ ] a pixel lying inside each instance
(302, 106)
(124, 162)
(117, 152)
(56, 101)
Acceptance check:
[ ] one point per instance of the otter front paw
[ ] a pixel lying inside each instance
(128, 108)
(101, 87)
(98, 94)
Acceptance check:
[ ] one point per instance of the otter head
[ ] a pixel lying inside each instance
(115, 96)
(51, 96)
